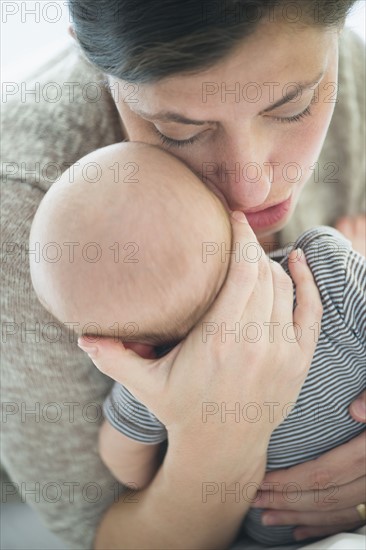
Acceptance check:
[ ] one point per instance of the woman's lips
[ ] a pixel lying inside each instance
(268, 216)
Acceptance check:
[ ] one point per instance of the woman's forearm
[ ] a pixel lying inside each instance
(184, 507)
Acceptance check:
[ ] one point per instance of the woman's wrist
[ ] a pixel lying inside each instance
(181, 508)
(219, 463)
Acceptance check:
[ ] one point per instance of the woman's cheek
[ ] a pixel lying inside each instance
(304, 146)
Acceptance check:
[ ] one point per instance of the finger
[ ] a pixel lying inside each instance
(309, 309)
(241, 276)
(347, 516)
(341, 465)
(327, 498)
(259, 305)
(112, 358)
(358, 408)
(303, 532)
(283, 295)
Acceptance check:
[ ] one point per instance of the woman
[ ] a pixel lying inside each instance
(201, 79)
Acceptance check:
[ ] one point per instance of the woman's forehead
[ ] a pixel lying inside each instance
(266, 60)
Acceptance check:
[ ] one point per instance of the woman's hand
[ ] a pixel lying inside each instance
(325, 491)
(225, 362)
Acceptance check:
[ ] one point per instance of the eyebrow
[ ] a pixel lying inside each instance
(170, 116)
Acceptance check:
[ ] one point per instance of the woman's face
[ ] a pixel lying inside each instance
(226, 122)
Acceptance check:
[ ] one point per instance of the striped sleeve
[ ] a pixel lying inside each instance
(130, 417)
(321, 420)
(354, 299)
(340, 275)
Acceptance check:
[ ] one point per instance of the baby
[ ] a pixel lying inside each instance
(129, 222)
(140, 269)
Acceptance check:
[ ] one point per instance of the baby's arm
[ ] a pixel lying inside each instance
(130, 461)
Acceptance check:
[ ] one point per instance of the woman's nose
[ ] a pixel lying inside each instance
(244, 183)
(242, 171)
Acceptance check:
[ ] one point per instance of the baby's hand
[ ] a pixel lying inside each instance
(354, 228)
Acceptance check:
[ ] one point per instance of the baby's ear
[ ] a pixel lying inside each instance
(143, 350)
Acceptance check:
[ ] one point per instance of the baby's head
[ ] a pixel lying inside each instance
(130, 222)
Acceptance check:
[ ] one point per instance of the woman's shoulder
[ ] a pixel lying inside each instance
(351, 56)
(351, 77)
(349, 112)
(336, 186)
(57, 114)
(343, 147)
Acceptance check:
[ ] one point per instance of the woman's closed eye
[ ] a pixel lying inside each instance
(170, 142)
(298, 117)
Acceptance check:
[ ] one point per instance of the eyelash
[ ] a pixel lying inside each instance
(169, 142)
(298, 117)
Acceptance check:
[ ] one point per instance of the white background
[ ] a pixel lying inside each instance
(28, 39)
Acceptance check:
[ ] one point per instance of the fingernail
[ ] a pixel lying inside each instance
(301, 255)
(239, 216)
(359, 408)
(90, 350)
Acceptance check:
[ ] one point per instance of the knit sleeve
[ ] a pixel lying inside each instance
(51, 392)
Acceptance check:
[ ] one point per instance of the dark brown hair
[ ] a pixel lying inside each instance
(146, 40)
